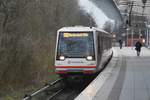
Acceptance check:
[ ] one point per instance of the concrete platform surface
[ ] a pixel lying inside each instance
(127, 77)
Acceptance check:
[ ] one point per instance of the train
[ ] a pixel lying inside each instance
(81, 51)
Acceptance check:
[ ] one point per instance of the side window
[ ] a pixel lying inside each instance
(104, 42)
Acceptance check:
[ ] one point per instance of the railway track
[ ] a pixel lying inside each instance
(68, 93)
(58, 91)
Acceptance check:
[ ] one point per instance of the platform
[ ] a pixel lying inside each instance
(127, 77)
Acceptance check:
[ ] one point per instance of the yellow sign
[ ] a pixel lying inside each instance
(66, 35)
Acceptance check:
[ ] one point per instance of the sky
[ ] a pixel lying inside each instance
(99, 17)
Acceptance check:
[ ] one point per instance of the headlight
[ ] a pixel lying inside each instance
(62, 58)
(89, 58)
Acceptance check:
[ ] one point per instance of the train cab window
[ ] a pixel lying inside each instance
(75, 45)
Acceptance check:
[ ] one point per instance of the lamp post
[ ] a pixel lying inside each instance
(147, 33)
(130, 12)
(144, 1)
(127, 36)
(132, 38)
(128, 22)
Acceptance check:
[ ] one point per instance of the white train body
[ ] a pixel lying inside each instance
(81, 50)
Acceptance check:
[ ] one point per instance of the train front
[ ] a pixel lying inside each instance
(75, 53)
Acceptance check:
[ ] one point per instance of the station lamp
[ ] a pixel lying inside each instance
(143, 40)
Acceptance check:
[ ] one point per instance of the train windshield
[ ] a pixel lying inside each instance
(75, 44)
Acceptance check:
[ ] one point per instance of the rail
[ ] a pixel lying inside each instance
(29, 97)
(52, 96)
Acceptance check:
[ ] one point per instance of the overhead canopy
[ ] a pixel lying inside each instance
(111, 10)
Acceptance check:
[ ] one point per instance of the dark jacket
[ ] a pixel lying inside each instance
(120, 41)
(138, 46)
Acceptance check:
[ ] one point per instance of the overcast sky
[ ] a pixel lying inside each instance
(97, 14)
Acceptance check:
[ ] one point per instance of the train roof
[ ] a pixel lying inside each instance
(81, 28)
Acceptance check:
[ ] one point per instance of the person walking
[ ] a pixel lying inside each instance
(120, 43)
(138, 46)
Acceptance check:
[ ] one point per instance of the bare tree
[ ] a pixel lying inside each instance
(27, 39)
